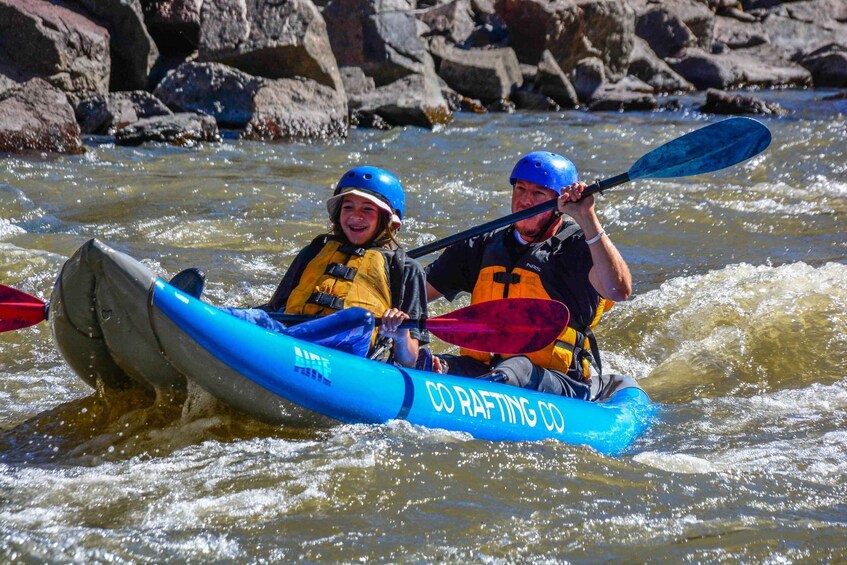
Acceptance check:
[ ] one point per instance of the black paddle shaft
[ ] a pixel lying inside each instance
(300, 318)
(597, 186)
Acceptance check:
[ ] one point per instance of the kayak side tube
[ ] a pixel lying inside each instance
(266, 367)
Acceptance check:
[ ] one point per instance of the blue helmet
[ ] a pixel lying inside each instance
(378, 185)
(547, 169)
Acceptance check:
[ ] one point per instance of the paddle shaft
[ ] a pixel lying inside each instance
(597, 186)
(299, 318)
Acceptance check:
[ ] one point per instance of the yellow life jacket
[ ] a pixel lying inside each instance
(341, 276)
(525, 280)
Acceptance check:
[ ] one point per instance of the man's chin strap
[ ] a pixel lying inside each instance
(554, 217)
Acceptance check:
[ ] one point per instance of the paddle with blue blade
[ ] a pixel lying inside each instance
(711, 148)
(512, 326)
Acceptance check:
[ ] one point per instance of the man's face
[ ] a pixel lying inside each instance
(526, 194)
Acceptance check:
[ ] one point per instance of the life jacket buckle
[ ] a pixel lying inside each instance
(326, 300)
(341, 271)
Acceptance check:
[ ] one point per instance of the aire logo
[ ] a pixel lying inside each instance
(312, 365)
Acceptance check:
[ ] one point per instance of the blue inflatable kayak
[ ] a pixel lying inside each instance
(144, 332)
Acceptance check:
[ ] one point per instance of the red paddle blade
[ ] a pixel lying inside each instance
(510, 325)
(18, 309)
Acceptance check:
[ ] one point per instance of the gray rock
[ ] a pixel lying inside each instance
(210, 88)
(453, 20)
(828, 65)
(664, 31)
(415, 100)
(36, 116)
(533, 24)
(280, 39)
(587, 77)
(174, 24)
(739, 35)
(133, 52)
(381, 38)
(629, 94)
(796, 37)
(552, 82)
(719, 102)
(290, 109)
(529, 100)
(104, 113)
(486, 74)
(571, 31)
(757, 66)
(63, 47)
(184, 129)
(648, 67)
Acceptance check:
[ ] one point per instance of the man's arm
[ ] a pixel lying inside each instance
(610, 274)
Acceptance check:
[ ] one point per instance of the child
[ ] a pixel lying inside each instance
(360, 266)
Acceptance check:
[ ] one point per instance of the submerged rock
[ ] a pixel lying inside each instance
(719, 102)
(184, 129)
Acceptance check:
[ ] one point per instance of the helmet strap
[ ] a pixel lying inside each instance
(554, 217)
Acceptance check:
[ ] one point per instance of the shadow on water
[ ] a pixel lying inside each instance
(120, 425)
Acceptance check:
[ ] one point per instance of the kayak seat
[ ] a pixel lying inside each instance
(190, 281)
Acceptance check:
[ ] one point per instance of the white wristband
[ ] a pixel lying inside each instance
(596, 238)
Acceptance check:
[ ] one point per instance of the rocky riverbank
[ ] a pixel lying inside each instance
(181, 70)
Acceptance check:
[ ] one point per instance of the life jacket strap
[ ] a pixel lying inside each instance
(503, 277)
(326, 300)
(340, 271)
(349, 249)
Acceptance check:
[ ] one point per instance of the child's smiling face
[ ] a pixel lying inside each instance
(359, 219)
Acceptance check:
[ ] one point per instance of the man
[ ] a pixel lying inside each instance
(542, 256)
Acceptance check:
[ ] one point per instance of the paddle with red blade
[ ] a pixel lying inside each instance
(19, 309)
(512, 326)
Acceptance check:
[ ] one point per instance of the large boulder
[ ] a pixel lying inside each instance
(486, 74)
(664, 31)
(739, 35)
(37, 116)
(54, 42)
(280, 39)
(648, 67)
(552, 82)
(265, 109)
(174, 24)
(571, 31)
(415, 99)
(609, 33)
(215, 89)
(104, 113)
(533, 24)
(453, 20)
(797, 37)
(291, 109)
(828, 65)
(688, 23)
(383, 38)
(133, 52)
(754, 67)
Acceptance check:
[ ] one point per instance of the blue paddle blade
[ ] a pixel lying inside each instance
(707, 149)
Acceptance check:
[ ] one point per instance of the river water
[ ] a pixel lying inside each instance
(737, 329)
